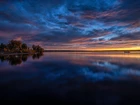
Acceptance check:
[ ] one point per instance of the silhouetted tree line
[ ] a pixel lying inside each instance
(15, 46)
(18, 59)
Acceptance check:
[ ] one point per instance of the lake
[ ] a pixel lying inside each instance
(69, 78)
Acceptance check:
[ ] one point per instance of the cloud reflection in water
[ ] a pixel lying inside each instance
(72, 77)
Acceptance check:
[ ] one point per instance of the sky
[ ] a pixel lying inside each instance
(72, 24)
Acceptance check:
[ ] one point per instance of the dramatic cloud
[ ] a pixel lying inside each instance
(70, 24)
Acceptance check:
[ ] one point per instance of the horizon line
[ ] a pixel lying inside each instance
(69, 50)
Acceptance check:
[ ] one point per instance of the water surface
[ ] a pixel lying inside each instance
(82, 78)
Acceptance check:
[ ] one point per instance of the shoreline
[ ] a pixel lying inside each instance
(82, 52)
(17, 53)
(14, 53)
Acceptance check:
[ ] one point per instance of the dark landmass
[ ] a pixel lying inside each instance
(17, 47)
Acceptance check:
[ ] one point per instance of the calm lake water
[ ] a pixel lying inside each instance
(68, 78)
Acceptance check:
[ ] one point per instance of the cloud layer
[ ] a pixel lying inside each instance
(70, 24)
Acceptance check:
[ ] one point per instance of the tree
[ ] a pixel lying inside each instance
(15, 46)
(38, 49)
(2, 46)
(24, 46)
(34, 47)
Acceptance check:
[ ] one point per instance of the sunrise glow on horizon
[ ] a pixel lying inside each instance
(102, 49)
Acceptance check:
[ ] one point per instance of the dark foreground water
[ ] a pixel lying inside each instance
(70, 78)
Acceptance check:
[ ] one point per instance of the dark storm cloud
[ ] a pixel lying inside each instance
(64, 21)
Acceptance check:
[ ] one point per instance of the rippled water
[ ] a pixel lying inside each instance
(82, 78)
